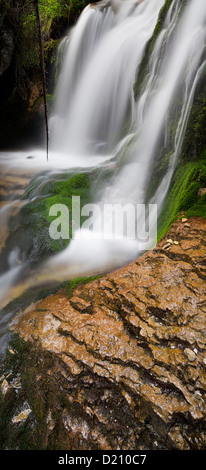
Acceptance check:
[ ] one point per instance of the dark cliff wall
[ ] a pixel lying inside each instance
(21, 110)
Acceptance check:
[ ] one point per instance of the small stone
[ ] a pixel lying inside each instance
(176, 242)
(193, 374)
(184, 219)
(169, 241)
(176, 436)
(11, 351)
(190, 354)
(187, 225)
(50, 422)
(16, 383)
(201, 192)
(167, 245)
(5, 387)
(21, 416)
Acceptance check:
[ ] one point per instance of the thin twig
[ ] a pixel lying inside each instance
(41, 47)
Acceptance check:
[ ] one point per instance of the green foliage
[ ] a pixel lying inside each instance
(70, 286)
(35, 214)
(198, 209)
(39, 394)
(50, 11)
(183, 195)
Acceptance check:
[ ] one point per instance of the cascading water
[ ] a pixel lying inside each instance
(96, 121)
(100, 104)
(93, 98)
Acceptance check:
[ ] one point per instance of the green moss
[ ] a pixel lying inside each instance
(51, 13)
(35, 214)
(198, 209)
(70, 286)
(10, 404)
(25, 363)
(183, 195)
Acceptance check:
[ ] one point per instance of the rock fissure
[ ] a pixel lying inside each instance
(99, 356)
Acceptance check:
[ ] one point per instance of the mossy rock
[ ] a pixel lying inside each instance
(183, 195)
(70, 286)
(144, 66)
(46, 193)
(198, 209)
(39, 395)
(194, 145)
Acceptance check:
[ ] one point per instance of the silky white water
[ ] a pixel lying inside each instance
(95, 119)
(93, 98)
(100, 101)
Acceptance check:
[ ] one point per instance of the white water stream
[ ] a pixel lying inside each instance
(95, 102)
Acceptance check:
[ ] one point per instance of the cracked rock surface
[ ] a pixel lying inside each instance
(129, 351)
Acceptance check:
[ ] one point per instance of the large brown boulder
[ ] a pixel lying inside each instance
(128, 351)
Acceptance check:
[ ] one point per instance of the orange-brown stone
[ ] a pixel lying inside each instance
(141, 331)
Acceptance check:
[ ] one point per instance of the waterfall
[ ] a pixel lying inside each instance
(102, 101)
(95, 86)
(96, 119)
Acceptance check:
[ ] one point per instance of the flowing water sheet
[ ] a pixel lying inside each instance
(96, 122)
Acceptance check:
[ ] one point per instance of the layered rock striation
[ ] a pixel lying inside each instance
(126, 351)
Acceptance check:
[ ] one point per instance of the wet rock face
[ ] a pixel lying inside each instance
(6, 49)
(129, 351)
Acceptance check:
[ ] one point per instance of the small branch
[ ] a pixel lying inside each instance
(41, 48)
